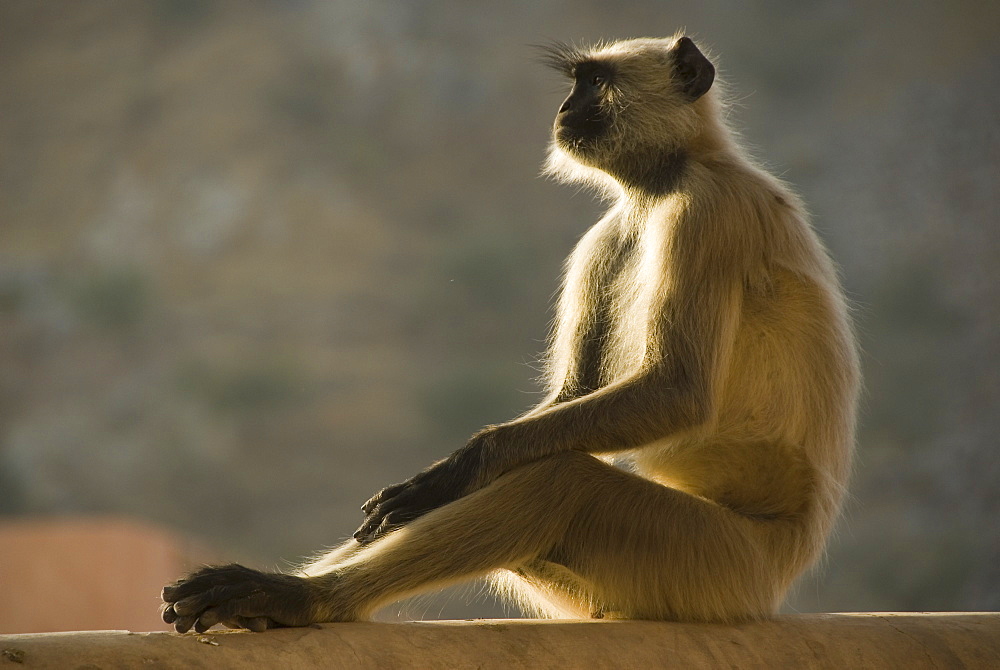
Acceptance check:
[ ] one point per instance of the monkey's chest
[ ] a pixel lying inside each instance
(618, 336)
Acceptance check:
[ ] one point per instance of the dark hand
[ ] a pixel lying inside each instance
(237, 597)
(399, 504)
(446, 481)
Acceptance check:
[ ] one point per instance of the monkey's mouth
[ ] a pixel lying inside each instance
(565, 136)
(572, 138)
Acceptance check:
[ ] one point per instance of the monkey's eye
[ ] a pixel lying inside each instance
(597, 80)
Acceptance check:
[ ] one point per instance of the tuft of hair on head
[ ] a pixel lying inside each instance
(562, 57)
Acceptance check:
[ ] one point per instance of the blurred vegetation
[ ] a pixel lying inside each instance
(254, 387)
(258, 260)
(113, 298)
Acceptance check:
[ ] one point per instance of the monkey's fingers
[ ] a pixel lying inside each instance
(248, 611)
(390, 515)
(381, 521)
(207, 596)
(180, 623)
(384, 494)
(217, 595)
(381, 531)
(183, 624)
(189, 609)
(205, 578)
(256, 624)
(168, 614)
(364, 534)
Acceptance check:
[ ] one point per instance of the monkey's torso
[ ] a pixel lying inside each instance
(779, 440)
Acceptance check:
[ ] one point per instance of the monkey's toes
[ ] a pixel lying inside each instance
(168, 614)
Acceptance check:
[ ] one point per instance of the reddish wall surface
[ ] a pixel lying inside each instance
(85, 574)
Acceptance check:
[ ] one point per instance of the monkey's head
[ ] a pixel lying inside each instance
(634, 108)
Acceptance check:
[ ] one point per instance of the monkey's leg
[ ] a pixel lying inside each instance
(329, 560)
(636, 549)
(632, 542)
(351, 582)
(586, 539)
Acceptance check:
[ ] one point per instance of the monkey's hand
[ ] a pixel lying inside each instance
(237, 597)
(446, 481)
(396, 505)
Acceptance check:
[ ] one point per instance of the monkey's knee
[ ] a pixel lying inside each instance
(558, 484)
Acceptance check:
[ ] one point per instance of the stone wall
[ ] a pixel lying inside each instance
(836, 641)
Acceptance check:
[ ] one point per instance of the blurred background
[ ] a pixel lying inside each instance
(260, 259)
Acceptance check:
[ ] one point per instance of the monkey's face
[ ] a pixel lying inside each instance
(584, 117)
(632, 106)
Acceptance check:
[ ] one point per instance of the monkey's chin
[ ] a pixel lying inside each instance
(572, 143)
(565, 163)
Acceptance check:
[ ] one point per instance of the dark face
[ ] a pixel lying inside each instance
(583, 116)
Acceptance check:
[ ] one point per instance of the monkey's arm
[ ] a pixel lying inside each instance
(672, 392)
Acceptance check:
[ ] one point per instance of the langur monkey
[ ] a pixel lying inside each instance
(701, 336)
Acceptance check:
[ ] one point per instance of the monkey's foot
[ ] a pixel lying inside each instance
(237, 597)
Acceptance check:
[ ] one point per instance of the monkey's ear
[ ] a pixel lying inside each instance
(694, 72)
